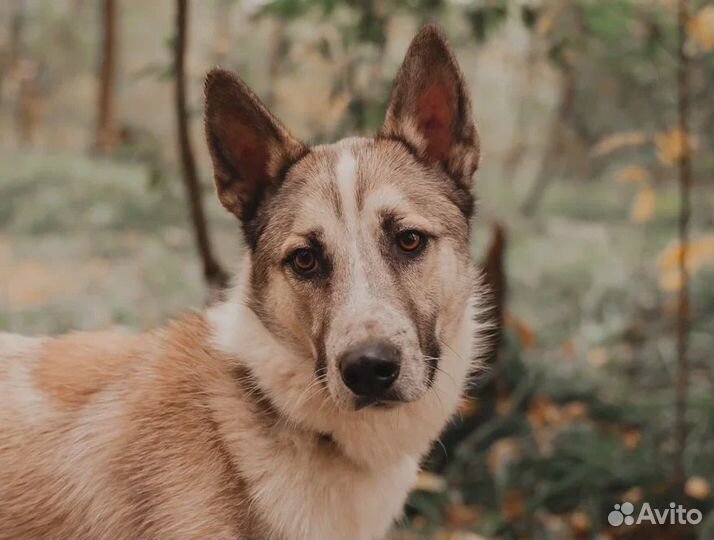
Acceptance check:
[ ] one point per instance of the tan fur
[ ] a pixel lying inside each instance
(109, 456)
(68, 372)
(171, 443)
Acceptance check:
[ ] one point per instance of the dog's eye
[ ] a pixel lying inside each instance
(304, 262)
(411, 241)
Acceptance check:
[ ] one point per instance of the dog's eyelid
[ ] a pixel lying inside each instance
(307, 240)
(397, 222)
(419, 225)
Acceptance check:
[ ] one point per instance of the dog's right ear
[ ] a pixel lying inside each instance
(249, 147)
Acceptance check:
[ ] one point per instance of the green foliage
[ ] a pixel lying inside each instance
(570, 451)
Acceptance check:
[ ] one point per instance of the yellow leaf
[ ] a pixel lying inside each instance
(597, 357)
(633, 174)
(433, 483)
(513, 505)
(698, 488)
(610, 143)
(670, 281)
(580, 522)
(546, 22)
(699, 252)
(469, 407)
(526, 335)
(643, 207)
(672, 145)
(700, 28)
(462, 515)
(504, 405)
(543, 411)
(575, 410)
(633, 495)
(503, 453)
(632, 437)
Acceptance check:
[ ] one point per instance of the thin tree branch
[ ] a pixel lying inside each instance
(107, 133)
(216, 278)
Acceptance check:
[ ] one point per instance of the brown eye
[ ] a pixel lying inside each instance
(410, 241)
(304, 262)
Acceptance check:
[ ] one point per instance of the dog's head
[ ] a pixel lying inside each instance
(359, 250)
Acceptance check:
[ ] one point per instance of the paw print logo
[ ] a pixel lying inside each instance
(621, 514)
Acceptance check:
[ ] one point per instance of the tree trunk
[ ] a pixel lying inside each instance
(557, 133)
(107, 132)
(216, 278)
(683, 305)
(13, 50)
(555, 141)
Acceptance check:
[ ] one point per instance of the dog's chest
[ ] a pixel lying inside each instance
(313, 498)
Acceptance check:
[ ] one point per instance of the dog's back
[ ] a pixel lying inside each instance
(101, 431)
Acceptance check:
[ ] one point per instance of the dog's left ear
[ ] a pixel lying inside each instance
(430, 109)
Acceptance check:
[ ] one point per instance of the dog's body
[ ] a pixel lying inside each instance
(300, 408)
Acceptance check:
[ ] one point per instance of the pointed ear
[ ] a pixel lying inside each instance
(430, 108)
(249, 148)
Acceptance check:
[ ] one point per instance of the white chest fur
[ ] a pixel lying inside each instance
(307, 498)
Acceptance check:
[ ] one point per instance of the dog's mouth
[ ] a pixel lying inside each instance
(377, 403)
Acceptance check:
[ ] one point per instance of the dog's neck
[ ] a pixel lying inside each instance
(369, 437)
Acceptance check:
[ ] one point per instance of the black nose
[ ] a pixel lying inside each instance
(370, 369)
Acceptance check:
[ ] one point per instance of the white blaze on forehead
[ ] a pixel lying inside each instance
(346, 176)
(347, 184)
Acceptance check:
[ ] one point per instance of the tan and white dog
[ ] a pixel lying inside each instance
(300, 408)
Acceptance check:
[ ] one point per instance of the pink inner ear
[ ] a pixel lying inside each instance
(435, 119)
(248, 152)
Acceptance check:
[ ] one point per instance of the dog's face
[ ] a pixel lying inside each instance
(360, 249)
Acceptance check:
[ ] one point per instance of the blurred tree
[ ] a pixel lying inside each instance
(684, 162)
(12, 49)
(216, 278)
(559, 131)
(107, 133)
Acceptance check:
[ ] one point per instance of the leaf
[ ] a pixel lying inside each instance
(672, 145)
(513, 506)
(699, 253)
(633, 495)
(631, 437)
(698, 488)
(700, 28)
(544, 412)
(643, 207)
(463, 515)
(501, 454)
(580, 523)
(526, 334)
(670, 281)
(597, 357)
(570, 350)
(430, 482)
(574, 411)
(632, 174)
(613, 142)
(469, 407)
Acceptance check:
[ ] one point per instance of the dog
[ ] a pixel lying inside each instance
(301, 406)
